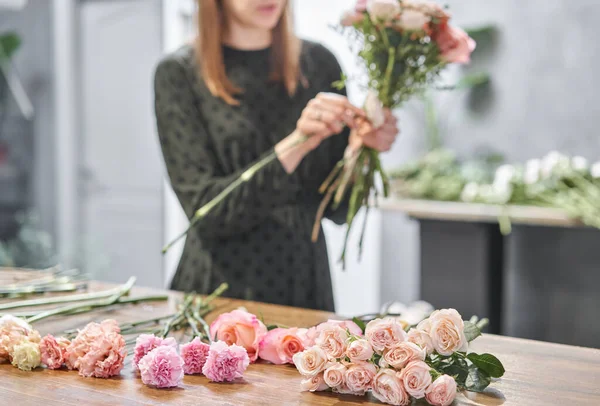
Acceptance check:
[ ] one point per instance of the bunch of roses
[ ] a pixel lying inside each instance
(419, 18)
(387, 360)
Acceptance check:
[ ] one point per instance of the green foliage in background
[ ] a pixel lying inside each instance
(9, 44)
(31, 248)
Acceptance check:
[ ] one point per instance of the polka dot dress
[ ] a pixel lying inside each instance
(258, 240)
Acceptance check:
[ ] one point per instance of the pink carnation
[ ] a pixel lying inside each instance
(162, 367)
(225, 363)
(146, 343)
(53, 351)
(13, 331)
(194, 356)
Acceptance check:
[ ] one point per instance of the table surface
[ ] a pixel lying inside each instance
(478, 212)
(537, 373)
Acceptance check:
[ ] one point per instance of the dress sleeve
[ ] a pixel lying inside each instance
(192, 165)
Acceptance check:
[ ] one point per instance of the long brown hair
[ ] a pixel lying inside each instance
(285, 55)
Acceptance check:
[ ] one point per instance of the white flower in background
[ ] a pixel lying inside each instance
(532, 171)
(374, 109)
(385, 10)
(579, 163)
(504, 174)
(551, 161)
(470, 192)
(412, 20)
(595, 170)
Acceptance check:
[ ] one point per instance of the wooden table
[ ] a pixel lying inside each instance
(537, 373)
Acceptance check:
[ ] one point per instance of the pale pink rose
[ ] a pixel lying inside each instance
(383, 333)
(412, 20)
(349, 325)
(162, 367)
(225, 363)
(13, 331)
(442, 391)
(350, 18)
(447, 332)
(194, 356)
(359, 350)
(388, 388)
(401, 354)
(359, 377)
(311, 361)
(241, 328)
(416, 378)
(421, 338)
(333, 341)
(384, 10)
(105, 357)
(335, 375)
(146, 343)
(308, 336)
(455, 45)
(314, 384)
(361, 5)
(280, 345)
(53, 351)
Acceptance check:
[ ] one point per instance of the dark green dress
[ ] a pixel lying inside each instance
(259, 239)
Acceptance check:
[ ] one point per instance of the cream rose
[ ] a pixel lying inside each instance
(401, 354)
(442, 391)
(359, 350)
(416, 378)
(447, 332)
(385, 10)
(359, 377)
(333, 340)
(412, 20)
(388, 388)
(421, 338)
(314, 384)
(384, 333)
(335, 375)
(310, 362)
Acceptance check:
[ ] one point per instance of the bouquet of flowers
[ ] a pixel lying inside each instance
(404, 45)
(429, 361)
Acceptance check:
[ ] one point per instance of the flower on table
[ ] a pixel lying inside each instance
(311, 361)
(421, 338)
(13, 331)
(399, 355)
(389, 388)
(385, 332)
(447, 331)
(26, 355)
(279, 345)
(241, 328)
(359, 377)
(194, 356)
(146, 343)
(359, 350)
(335, 375)
(225, 363)
(416, 378)
(314, 384)
(53, 351)
(162, 367)
(442, 391)
(333, 340)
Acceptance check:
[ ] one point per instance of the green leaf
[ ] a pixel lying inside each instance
(456, 367)
(471, 331)
(477, 380)
(360, 324)
(9, 43)
(488, 363)
(272, 327)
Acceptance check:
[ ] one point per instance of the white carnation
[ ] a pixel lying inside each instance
(470, 192)
(532, 171)
(551, 161)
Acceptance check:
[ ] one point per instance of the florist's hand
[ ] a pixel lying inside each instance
(380, 139)
(326, 115)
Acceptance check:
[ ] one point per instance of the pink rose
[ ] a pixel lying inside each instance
(333, 341)
(225, 363)
(455, 45)
(53, 351)
(349, 325)
(350, 18)
(413, 20)
(13, 331)
(447, 332)
(241, 328)
(421, 338)
(314, 384)
(311, 361)
(194, 356)
(383, 333)
(335, 375)
(388, 388)
(401, 354)
(416, 378)
(146, 343)
(442, 391)
(359, 350)
(359, 377)
(280, 345)
(162, 367)
(361, 6)
(384, 10)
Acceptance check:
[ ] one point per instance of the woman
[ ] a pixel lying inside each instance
(246, 86)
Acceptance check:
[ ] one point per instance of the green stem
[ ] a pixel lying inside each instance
(388, 76)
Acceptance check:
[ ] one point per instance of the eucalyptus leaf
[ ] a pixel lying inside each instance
(471, 331)
(477, 380)
(488, 363)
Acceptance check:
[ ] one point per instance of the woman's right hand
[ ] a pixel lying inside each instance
(326, 115)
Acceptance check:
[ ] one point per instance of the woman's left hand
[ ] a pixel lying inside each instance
(380, 139)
